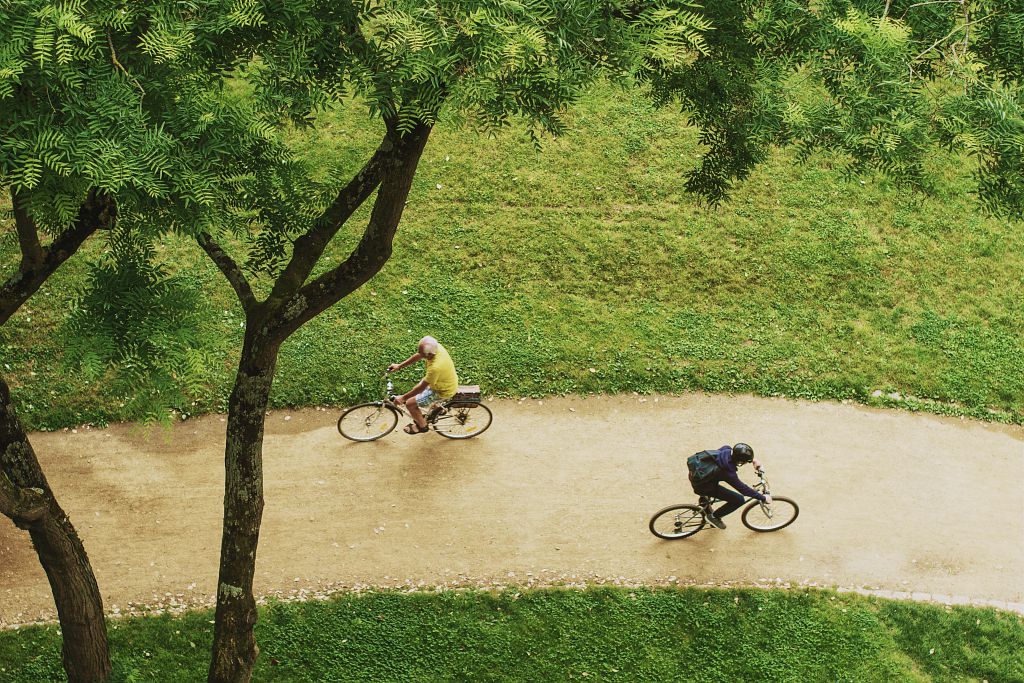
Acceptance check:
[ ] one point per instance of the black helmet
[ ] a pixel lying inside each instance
(742, 453)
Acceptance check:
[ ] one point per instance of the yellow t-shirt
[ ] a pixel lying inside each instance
(441, 374)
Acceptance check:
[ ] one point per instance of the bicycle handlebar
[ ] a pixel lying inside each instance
(762, 485)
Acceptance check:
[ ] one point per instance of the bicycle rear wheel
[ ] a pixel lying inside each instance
(677, 521)
(463, 420)
(367, 421)
(781, 513)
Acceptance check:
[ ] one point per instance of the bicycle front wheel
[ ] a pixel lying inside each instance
(463, 420)
(677, 521)
(781, 513)
(367, 421)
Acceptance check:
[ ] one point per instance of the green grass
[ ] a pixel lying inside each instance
(534, 267)
(606, 634)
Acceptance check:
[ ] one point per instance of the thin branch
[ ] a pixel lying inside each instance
(28, 234)
(113, 58)
(230, 269)
(938, 42)
(929, 2)
(967, 26)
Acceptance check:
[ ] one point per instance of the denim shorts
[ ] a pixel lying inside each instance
(425, 397)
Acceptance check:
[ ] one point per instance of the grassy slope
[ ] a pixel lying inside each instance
(557, 635)
(584, 267)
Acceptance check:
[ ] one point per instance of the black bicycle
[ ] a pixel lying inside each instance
(683, 521)
(462, 416)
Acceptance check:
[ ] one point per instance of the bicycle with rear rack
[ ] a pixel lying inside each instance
(462, 416)
(684, 520)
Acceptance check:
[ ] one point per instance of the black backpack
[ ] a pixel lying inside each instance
(703, 468)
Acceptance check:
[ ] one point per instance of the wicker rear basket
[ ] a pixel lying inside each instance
(469, 393)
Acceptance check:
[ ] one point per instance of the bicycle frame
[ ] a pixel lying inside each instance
(705, 502)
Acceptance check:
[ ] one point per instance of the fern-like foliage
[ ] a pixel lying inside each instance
(874, 111)
(125, 97)
(880, 70)
(491, 61)
(137, 328)
(86, 86)
(988, 123)
(130, 98)
(999, 39)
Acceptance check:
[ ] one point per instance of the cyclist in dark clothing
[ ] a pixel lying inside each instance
(729, 458)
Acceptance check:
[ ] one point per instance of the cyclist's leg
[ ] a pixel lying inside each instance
(733, 499)
(423, 399)
(707, 493)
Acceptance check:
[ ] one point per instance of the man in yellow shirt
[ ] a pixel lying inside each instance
(440, 383)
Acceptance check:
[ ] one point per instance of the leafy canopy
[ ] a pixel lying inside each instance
(881, 84)
(128, 99)
(122, 97)
(131, 97)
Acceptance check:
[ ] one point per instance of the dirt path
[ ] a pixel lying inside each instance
(557, 490)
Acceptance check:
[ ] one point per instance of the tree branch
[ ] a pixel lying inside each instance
(374, 248)
(21, 479)
(99, 210)
(310, 246)
(114, 60)
(28, 234)
(929, 2)
(966, 28)
(230, 269)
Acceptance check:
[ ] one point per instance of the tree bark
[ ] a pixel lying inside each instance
(97, 212)
(28, 501)
(268, 324)
(373, 250)
(234, 644)
(25, 495)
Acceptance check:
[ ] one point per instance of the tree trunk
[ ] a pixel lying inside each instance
(268, 324)
(61, 553)
(234, 644)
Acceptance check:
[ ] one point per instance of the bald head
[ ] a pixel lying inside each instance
(428, 347)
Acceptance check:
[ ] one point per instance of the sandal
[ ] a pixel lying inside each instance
(413, 428)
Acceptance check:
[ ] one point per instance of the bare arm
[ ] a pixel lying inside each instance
(416, 357)
(415, 391)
